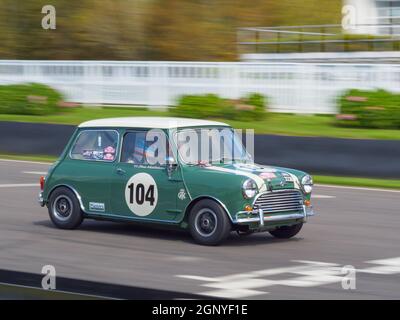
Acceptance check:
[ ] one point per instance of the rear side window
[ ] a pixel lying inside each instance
(95, 145)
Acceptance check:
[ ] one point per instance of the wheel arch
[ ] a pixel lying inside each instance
(204, 197)
(74, 191)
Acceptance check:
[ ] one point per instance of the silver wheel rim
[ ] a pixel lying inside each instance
(206, 222)
(62, 208)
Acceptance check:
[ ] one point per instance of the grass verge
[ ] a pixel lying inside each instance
(275, 123)
(358, 182)
(318, 179)
(26, 157)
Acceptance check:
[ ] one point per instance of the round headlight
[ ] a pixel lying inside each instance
(307, 183)
(249, 189)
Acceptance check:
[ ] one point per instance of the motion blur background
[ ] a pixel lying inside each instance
(192, 30)
(299, 69)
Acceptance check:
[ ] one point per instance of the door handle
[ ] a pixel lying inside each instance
(121, 171)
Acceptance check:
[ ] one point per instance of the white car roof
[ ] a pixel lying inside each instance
(150, 122)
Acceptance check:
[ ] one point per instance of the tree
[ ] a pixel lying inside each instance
(146, 29)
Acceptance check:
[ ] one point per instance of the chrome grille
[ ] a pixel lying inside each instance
(280, 201)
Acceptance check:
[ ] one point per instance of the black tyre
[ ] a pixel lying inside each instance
(64, 209)
(209, 223)
(287, 232)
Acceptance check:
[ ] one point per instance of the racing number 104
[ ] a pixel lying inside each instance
(139, 194)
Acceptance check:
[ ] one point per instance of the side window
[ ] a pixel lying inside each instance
(95, 145)
(137, 148)
(133, 147)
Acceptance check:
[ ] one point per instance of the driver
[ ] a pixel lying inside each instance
(137, 154)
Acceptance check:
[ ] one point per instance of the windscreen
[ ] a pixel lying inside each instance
(210, 145)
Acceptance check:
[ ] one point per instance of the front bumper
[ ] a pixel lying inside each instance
(40, 199)
(263, 219)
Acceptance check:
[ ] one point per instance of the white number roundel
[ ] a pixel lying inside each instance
(141, 194)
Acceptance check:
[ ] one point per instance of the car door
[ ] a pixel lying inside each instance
(140, 188)
(88, 168)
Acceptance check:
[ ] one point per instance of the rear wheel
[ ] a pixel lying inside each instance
(209, 223)
(64, 209)
(286, 232)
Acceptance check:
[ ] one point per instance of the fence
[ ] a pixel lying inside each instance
(291, 87)
(319, 38)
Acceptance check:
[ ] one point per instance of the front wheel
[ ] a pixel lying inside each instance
(286, 232)
(209, 223)
(64, 209)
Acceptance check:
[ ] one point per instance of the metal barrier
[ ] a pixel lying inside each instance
(291, 87)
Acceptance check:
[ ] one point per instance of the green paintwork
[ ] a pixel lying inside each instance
(101, 182)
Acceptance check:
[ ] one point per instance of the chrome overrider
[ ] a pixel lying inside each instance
(40, 199)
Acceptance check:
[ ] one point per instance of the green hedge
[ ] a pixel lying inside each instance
(369, 109)
(30, 99)
(250, 107)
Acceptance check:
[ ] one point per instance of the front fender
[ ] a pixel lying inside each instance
(223, 187)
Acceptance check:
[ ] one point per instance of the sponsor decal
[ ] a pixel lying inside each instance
(287, 177)
(182, 194)
(146, 166)
(292, 178)
(98, 155)
(108, 157)
(141, 194)
(107, 154)
(87, 154)
(266, 172)
(96, 206)
(267, 175)
(109, 149)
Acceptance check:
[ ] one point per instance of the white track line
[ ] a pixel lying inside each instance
(35, 172)
(322, 196)
(357, 188)
(17, 185)
(26, 161)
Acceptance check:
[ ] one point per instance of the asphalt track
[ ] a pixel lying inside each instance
(353, 227)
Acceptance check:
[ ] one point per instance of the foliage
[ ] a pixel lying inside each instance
(29, 99)
(201, 106)
(251, 107)
(358, 182)
(369, 109)
(259, 104)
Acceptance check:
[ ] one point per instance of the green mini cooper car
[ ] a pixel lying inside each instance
(193, 174)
